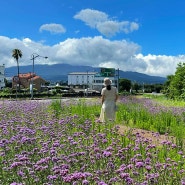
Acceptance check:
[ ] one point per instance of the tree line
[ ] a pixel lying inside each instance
(174, 87)
(126, 85)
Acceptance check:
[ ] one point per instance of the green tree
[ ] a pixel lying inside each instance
(176, 83)
(166, 90)
(16, 54)
(7, 83)
(158, 88)
(135, 86)
(124, 85)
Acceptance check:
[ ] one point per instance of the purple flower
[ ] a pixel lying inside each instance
(43, 161)
(110, 165)
(20, 173)
(129, 180)
(102, 183)
(148, 167)
(112, 180)
(180, 152)
(52, 177)
(107, 154)
(130, 166)
(85, 182)
(139, 164)
(74, 177)
(124, 175)
(15, 164)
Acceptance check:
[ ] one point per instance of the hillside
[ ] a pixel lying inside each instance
(59, 72)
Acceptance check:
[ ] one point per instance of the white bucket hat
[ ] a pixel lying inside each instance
(107, 82)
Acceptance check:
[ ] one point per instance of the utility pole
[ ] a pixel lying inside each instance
(118, 79)
(33, 57)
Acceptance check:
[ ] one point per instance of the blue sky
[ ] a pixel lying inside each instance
(145, 36)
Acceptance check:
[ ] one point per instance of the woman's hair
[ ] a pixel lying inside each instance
(108, 87)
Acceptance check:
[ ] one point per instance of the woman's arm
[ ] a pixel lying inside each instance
(116, 94)
(116, 98)
(102, 99)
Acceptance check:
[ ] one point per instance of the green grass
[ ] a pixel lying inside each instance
(162, 99)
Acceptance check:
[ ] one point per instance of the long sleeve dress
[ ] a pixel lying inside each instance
(108, 110)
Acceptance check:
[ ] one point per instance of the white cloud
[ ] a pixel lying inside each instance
(108, 28)
(91, 17)
(26, 45)
(96, 50)
(93, 51)
(53, 28)
(159, 65)
(105, 25)
(133, 26)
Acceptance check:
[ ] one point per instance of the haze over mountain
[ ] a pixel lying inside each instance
(59, 72)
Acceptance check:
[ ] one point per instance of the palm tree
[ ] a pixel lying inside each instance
(16, 54)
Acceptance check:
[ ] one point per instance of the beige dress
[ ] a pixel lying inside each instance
(108, 110)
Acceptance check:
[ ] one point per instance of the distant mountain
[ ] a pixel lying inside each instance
(59, 72)
(142, 78)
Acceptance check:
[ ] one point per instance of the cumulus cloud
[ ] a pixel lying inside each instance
(159, 65)
(53, 28)
(26, 45)
(92, 51)
(95, 51)
(104, 24)
(91, 17)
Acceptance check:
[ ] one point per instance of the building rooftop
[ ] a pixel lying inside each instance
(82, 73)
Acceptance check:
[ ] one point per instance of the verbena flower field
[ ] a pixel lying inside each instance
(63, 143)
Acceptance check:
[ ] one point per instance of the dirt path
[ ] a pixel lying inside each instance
(153, 137)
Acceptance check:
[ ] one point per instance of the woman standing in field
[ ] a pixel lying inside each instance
(108, 100)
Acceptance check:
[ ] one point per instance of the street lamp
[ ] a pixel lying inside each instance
(118, 80)
(33, 57)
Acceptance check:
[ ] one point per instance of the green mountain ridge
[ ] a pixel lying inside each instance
(59, 72)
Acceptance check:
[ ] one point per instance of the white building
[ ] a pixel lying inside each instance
(81, 79)
(2, 76)
(91, 80)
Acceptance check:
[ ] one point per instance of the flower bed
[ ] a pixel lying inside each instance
(36, 147)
